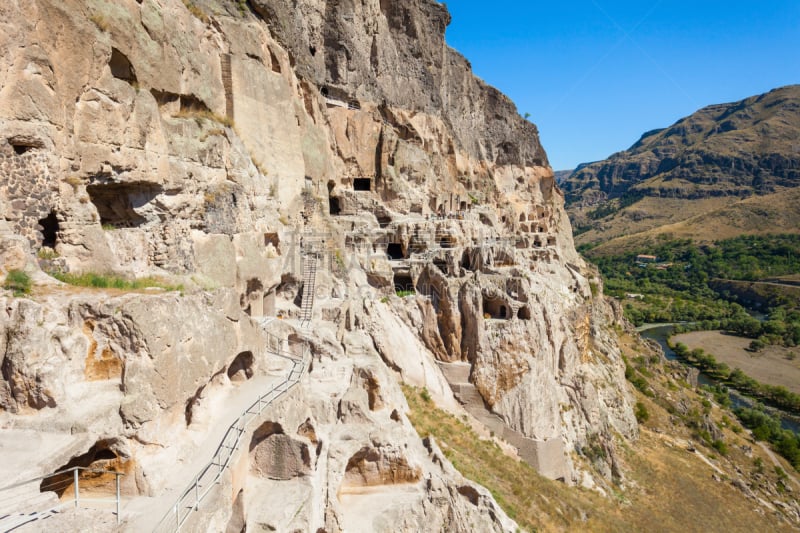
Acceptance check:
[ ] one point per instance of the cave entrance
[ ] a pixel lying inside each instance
(447, 241)
(403, 282)
(524, 313)
(362, 184)
(384, 220)
(241, 369)
(551, 241)
(466, 262)
(121, 67)
(495, 308)
(395, 251)
(50, 230)
(463, 206)
(117, 203)
(441, 264)
(100, 456)
(334, 207)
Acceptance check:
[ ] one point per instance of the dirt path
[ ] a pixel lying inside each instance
(777, 463)
(770, 365)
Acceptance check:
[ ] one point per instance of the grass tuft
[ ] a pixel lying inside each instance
(196, 11)
(200, 115)
(18, 282)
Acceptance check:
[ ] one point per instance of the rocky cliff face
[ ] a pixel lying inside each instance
(209, 143)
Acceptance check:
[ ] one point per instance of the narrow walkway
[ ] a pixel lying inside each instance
(175, 507)
(531, 451)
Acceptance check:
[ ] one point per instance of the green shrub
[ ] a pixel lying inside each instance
(425, 395)
(640, 410)
(720, 446)
(18, 282)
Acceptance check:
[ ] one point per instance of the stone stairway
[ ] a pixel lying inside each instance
(545, 456)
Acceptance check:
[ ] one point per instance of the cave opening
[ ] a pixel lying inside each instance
(403, 282)
(441, 264)
(100, 456)
(465, 260)
(117, 203)
(334, 207)
(384, 220)
(241, 369)
(495, 308)
(362, 184)
(395, 251)
(20, 149)
(50, 229)
(524, 313)
(447, 241)
(121, 67)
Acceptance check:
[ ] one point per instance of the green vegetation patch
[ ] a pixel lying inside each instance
(768, 428)
(677, 286)
(110, 281)
(18, 282)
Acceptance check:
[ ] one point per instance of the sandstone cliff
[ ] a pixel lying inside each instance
(223, 145)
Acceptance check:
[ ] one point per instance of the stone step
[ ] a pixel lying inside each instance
(456, 372)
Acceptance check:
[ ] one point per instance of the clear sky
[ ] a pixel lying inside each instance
(596, 74)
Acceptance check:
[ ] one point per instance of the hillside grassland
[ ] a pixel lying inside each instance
(666, 487)
(704, 221)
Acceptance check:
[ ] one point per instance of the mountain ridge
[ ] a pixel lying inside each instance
(709, 161)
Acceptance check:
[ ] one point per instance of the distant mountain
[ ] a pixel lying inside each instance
(751, 146)
(562, 175)
(708, 161)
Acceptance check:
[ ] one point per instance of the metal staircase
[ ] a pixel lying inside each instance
(309, 282)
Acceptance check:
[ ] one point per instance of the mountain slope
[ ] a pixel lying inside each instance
(707, 161)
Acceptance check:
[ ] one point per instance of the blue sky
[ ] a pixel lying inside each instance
(596, 74)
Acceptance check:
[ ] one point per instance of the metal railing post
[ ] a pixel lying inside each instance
(118, 499)
(77, 490)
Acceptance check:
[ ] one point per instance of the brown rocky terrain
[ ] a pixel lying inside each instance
(286, 171)
(708, 170)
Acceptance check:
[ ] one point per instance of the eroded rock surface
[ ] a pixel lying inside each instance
(218, 147)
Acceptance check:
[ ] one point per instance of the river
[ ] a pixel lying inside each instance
(661, 332)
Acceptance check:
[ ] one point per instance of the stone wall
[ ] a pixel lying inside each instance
(29, 190)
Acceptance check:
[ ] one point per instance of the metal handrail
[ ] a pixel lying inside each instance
(23, 516)
(84, 468)
(191, 497)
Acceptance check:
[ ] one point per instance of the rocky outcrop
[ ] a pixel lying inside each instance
(222, 149)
